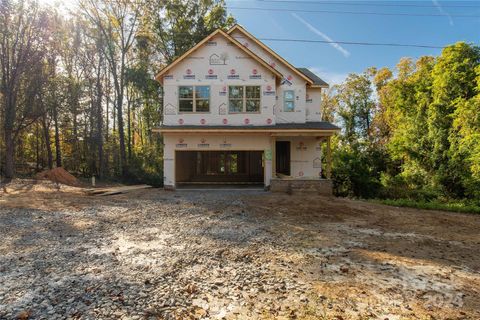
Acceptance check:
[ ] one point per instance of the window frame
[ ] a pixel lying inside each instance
(244, 100)
(289, 100)
(194, 100)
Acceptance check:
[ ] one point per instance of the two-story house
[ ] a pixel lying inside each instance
(235, 112)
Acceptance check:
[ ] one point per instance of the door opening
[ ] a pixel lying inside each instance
(219, 167)
(282, 157)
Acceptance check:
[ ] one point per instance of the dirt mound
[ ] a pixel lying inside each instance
(58, 175)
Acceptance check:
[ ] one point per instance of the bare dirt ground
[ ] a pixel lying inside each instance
(231, 254)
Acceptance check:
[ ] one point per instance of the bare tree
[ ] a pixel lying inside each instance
(117, 23)
(21, 26)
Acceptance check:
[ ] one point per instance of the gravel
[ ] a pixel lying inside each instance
(177, 256)
(247, 254)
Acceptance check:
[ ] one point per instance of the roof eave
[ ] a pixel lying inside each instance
(249, 130)
(325, 86)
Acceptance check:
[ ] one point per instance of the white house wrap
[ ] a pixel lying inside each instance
(235, 112)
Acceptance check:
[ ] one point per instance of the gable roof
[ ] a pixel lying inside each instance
(158, 77)
(273, 53)
(317, 82)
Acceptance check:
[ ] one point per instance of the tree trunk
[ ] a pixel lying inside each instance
(121, 136)
(37, 148)
(107, 125)
(9, 154)
(119, 87)
(46, 135)
(9, 134)
(58, 150)
(129, 132)
(99, 136)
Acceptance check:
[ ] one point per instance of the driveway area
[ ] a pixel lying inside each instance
(222, 254)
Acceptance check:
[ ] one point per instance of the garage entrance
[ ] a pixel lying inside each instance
(219, 167)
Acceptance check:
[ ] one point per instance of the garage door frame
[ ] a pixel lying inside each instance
(255, 179)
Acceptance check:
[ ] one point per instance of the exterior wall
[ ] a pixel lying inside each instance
(305, 157)
(291, 81)
(313, 104)
(218, 64)
(209, 142)
(305, 152)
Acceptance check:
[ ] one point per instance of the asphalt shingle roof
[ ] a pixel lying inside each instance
(320, 125)
(312, 76)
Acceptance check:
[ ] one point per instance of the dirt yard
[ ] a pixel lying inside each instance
(151, 254)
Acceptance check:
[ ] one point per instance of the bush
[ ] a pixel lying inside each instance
(146, 166)
(356, 174)
(397, 187)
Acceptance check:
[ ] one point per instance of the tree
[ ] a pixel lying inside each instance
(178, 25)
(454, 82)
(117, 23)
(355, 107)
(22, 26)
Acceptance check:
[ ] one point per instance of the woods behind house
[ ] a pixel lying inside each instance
(77, 91)
(77, 88)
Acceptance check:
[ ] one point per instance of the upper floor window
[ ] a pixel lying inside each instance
(242, 99)
(289, 100)
(194, 98)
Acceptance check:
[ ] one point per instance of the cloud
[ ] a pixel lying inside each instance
(345, 52)
(440, 9)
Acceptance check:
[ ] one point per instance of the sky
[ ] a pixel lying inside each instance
(333, 62)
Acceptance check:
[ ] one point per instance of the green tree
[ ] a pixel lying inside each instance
(454, 83)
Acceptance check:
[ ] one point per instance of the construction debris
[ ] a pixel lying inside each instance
(116, 190)
(58, 175)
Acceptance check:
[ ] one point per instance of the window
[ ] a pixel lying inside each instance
(235, 98)
(252, 103)
(289, 100)
(244, 99)
(185, 95)
(194, 98)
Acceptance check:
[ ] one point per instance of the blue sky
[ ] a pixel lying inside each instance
(334, 62)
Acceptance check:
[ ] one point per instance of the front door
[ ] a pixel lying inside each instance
(282, 150)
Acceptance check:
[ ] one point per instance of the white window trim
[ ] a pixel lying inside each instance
(244, 100)
(284, 100)
(194, 100)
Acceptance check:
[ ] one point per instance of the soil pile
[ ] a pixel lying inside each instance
(58, 175)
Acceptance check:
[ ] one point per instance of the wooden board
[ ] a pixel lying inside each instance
(116, 190)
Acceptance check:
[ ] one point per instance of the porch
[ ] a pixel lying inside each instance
(301, 163)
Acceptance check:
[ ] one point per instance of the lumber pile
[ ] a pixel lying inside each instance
(115, 190)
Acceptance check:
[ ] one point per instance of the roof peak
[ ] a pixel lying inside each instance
(269, 50)
(211, 35)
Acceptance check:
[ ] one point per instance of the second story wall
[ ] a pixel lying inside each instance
(200, 89)
(292, 83)
(313, 104)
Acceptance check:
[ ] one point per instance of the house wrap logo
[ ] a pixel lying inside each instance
(216, 59)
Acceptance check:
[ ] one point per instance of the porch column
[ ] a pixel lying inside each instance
(273, 141)
(329, 158)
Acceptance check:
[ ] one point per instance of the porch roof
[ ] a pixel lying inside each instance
(311, 127)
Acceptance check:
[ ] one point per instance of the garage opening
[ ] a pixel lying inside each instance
(219, 167)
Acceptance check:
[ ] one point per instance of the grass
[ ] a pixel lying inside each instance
(456, 206)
